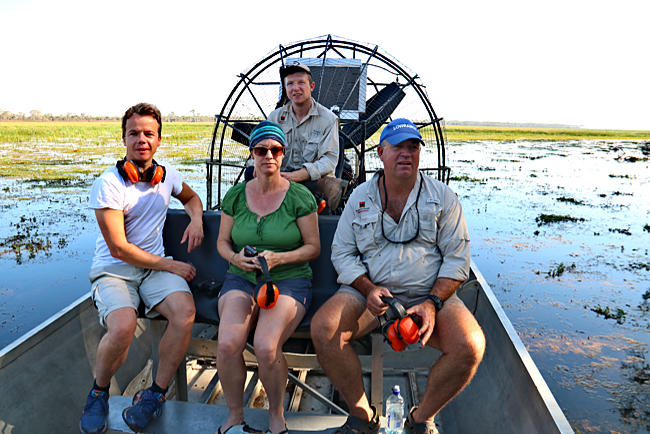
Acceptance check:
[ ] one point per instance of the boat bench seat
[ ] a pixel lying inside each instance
(211, 267)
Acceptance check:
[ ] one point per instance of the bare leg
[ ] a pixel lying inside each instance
(273, 329)
(178, 308)
(236, 315)
(342, 318)
(459, 337)
(114, 345)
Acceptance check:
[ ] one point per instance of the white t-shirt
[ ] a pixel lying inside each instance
(145, 210)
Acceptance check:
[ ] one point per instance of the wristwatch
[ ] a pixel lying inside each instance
(437, 301)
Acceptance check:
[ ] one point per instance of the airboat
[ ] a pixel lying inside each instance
(48, 370)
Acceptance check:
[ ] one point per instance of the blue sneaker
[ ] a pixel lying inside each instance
(95, 416)
(146, 405)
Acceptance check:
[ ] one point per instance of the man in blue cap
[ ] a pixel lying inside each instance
(402, 234)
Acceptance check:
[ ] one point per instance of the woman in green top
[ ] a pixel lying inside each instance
(279, 219)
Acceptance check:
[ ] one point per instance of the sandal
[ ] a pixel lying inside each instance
(244, 427)
(354, 425)
(284, 431)
(413, 427)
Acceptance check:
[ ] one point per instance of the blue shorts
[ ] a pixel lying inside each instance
(299, 288)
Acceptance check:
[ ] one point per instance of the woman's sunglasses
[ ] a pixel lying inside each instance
(261, 151)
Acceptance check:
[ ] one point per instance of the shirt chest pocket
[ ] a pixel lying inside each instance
(310, 151)
(364, 227)
(429, 223)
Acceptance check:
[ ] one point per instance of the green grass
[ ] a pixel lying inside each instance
(60, 151)
(65, 151)
(463, 133)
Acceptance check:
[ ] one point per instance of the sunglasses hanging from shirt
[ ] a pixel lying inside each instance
(130, 171)
(383, 209)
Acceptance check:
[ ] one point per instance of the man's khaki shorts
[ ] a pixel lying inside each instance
(123, 285)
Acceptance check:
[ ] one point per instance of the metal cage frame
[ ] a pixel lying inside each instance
(319, 47)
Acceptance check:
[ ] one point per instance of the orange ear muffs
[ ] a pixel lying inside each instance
(393, 337)
(157, 174)
(131, 172)
(268, 293)
(403, 330)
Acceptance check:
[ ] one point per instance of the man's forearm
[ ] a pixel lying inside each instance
(363, 284)
(194, 208)
(444, 287)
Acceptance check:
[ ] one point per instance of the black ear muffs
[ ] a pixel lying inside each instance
(267, 294)
(129, 171)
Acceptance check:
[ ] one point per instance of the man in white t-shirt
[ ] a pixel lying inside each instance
(130, 201)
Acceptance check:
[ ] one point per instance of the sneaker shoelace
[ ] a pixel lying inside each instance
(97, 403)
(150, 400)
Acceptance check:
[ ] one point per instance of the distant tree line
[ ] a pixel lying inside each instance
(37, 115)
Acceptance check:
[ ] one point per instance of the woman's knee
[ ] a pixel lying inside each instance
(266, 351)
(230, 346)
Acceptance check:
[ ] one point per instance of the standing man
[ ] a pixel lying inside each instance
(130, 202)
(402, 234)
(312, 132)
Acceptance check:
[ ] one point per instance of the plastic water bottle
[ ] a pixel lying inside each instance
(395, 412)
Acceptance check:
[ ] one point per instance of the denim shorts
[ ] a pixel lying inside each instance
(299, 288)
(122, 285)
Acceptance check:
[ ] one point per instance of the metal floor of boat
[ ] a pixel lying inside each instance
(187, 417)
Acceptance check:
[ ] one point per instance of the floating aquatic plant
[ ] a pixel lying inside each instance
(569, 200)
(559, 269)
(544, 219)
(618, 314)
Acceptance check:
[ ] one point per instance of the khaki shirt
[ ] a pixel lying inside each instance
(440, 250)
(312, 143)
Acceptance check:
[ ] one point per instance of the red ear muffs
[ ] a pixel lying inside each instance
(402, 331)
(394, 338)
(268, 293)
(131, 172)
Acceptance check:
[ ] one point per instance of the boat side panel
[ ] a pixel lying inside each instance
(502, 385)
(44, 387)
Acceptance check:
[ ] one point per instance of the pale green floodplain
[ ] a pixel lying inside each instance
(68, 151)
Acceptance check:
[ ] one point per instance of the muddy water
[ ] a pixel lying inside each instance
(578, 291)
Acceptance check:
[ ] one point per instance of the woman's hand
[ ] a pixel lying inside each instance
(272, 259)
(246, 263)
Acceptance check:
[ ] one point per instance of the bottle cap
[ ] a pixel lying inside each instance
(396, 389)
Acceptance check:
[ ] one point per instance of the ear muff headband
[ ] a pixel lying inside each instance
(267, 295)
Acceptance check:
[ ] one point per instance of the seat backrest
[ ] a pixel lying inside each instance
(211, 267)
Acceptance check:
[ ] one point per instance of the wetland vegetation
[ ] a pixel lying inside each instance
(579, 196)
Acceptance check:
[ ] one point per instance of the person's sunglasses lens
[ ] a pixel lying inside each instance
(275, 151)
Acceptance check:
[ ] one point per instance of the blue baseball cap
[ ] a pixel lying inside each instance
(399, 130)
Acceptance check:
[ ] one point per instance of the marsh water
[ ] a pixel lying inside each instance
(560, 230)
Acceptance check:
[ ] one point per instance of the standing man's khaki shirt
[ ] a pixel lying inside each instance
(312, 143)
(440, 250)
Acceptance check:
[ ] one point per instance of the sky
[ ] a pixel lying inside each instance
(572, 62)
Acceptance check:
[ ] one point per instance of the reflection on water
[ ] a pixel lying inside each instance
(597, 368)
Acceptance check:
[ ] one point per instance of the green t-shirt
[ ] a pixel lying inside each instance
(277, 231)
